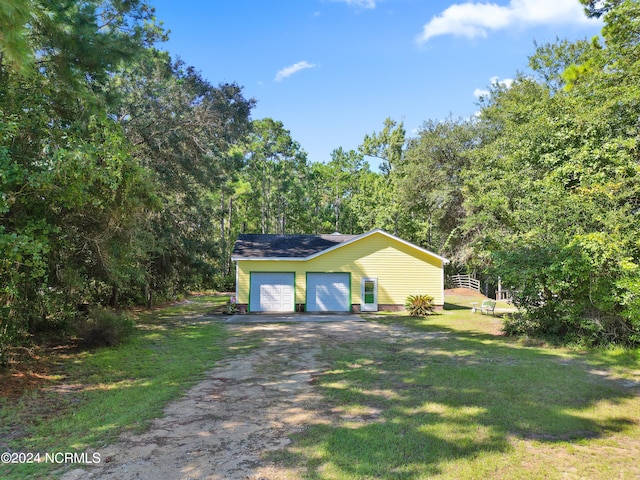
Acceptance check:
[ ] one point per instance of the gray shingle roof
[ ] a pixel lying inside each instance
(285, 246)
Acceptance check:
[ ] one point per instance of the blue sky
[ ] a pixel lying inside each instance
(333, 70)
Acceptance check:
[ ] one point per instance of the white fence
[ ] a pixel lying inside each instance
(465, 281)
(504, 295)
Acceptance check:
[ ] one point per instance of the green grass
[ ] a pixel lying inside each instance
(110, 390)
(454, 400)
(450, 399)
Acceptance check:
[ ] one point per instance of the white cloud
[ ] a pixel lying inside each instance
(494, 81)
(290, 70)
(369, 4)
(473, 20)
(505, 82)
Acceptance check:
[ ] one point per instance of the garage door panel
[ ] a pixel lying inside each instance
(328, 292)
(272, 292)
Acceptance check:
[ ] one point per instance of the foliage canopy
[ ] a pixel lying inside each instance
(125, 176)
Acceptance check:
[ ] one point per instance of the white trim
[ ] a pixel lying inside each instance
(442, 286)
(374, 305)
(237, 281)
(335, 247)
(235, 258)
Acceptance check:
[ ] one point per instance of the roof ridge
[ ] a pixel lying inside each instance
(291, 245)
(303, 234)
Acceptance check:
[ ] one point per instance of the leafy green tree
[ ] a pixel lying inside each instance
(597, 8)
(388, 146)
(344, 180)
(69, 188)
(375, 204)
(551, 61)
(432, 180)
(14, 45)
(186, 132)
(552, 195)
(276, 166)
(319, 187)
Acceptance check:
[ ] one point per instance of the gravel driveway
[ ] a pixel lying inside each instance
(248, 405)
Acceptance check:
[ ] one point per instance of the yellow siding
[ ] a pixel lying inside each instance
(400, 269)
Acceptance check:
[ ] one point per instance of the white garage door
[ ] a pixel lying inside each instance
(328, 292)
(271, 292)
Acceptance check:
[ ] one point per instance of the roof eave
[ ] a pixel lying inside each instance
(354, 239)
(236, 258)
(379, 230)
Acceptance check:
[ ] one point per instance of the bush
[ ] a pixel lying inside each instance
(11, 335)
(519, 325)
(225, 283)
(583, 291)
(419, 305)
(104, 327)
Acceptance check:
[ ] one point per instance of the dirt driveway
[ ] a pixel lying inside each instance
(248, 405)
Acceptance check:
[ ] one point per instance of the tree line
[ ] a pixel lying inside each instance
(125, 176)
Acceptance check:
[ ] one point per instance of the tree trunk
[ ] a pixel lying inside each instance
(283, 223)
(227, 258)
(336, 206)
(148, 295)
(114, 296)
(268, 205)
(223, 245)
(263, 204)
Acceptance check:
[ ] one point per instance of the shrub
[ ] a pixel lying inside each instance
(104, 327)
(225, 283)
(419, 305)
(11, 335)
(583, 290)
(519, 325)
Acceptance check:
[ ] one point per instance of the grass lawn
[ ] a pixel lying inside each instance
(448, 398)
(96, 395)
(455, 400)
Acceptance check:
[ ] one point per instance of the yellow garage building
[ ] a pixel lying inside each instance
(333, 273)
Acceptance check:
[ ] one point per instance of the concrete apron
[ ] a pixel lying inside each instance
(293, 317)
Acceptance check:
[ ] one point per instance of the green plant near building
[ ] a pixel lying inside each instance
(419, 305)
